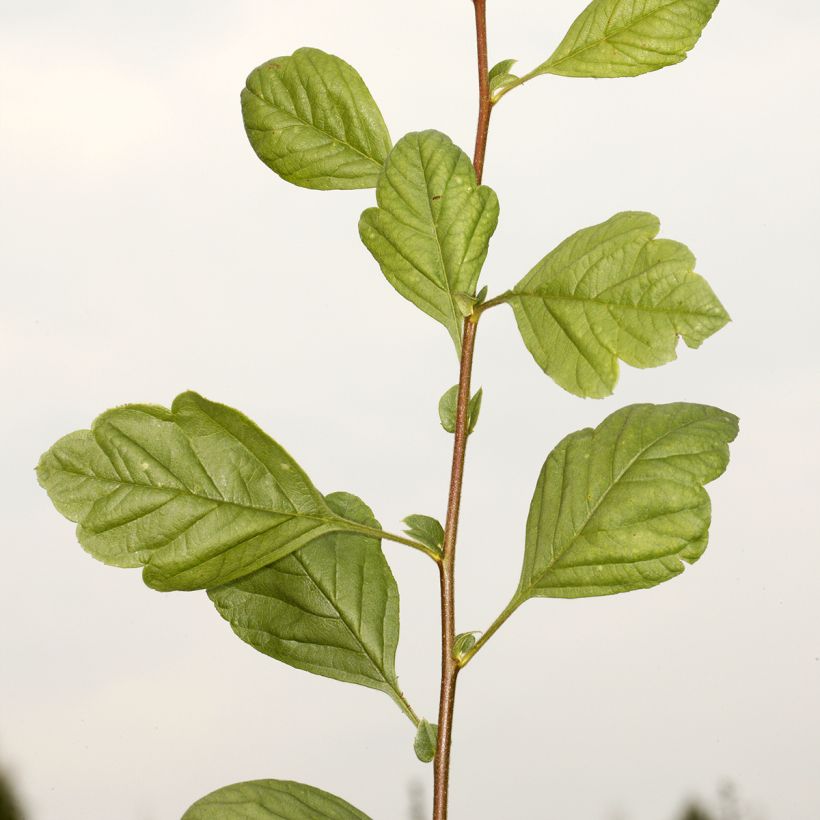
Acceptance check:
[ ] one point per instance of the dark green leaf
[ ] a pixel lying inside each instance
(625, 38)
(426, 739)
(197, 495)
(272, 800)
(432, 227)
(311, 119)
(621, 507)
(608, 292)
(447, 409)
(425, 529)
(331, 608)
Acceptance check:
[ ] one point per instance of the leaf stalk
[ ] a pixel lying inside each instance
(493, 628)
(405, 706)
(491, 303)
(400, 539)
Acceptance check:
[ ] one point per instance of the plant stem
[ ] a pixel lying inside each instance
(484, 104)
(449, 666)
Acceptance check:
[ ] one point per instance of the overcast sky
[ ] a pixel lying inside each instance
(144, 250)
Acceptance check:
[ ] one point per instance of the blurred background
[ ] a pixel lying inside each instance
(144, 250)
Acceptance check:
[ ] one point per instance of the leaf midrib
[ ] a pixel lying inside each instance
(376, 665)
(217, 501)
(455, 327)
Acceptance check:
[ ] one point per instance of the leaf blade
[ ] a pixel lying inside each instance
(197, 495)
(608, 292)
(274, 799)
(448, 404)
(431, 229)
(311, 119)
(623, 38)
(500, 76)
(501, 68)
(621, 507)
(425, 529)
(330, 608)
(426, 739)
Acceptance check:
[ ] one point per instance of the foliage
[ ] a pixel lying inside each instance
(200, 498)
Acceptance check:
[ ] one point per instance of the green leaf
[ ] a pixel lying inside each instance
(310, 118)
(625, 38)
(447, 409)
(463, 643)
(425, 529)
(622, 506)
(432, 227)
(498, 84)
(474, 408)
(501, 68)
(465, 303)
(274, 799)
(331, 608)
(608, 292)
(426, 740)
(198, 495)
(501, 76)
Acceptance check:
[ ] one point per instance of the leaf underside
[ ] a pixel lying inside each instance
(331, 608)
(613, 292)
(311, 119)
(197, 495)
(621, 507)
(426, 529)
(426, 739)
(272, 800)
(431, 230)
(625, 38)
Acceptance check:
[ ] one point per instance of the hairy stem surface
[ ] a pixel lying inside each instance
(484, 104)
(449, 666)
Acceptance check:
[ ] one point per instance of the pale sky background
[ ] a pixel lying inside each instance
(144, 250)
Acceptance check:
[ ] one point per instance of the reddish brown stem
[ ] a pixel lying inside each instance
(449, 667)
(484, 105)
